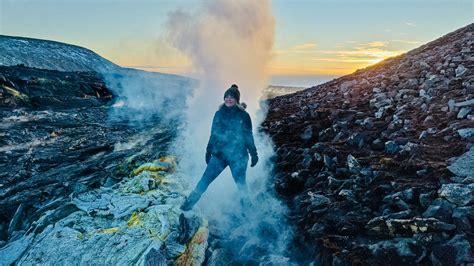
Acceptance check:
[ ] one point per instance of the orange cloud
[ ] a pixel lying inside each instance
(406, 41)
(295, 70)
(360, 52)
(377, 44)
(305, 46)
(348, 60)
(331, 62)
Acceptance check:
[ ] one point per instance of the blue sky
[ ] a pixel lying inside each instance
(319, 37)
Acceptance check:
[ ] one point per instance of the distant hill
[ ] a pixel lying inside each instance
(144, 93)
(272, 91)
(51, 55)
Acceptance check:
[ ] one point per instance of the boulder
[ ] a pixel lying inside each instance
(391, 147)
(463, 112)
(307, 133)
(425, 199)
(462, 166)
(318, 201)
(460, 70)
(459, 194)
(440, 210)
(464, 103)
(456, 251)
(466, 133)
(398, 251)
(353, 164)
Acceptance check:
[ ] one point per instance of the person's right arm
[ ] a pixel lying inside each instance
(212, 139)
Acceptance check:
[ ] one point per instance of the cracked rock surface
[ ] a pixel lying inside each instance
(80, 185)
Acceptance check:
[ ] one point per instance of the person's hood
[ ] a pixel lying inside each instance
(241, 106)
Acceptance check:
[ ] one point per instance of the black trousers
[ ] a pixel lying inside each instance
(238, 168)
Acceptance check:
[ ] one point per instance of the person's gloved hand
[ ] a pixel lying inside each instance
(208, 156)
(254, 160)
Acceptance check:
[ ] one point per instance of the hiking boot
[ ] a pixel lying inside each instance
(188, 204)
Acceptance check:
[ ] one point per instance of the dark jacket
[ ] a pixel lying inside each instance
(231, 134)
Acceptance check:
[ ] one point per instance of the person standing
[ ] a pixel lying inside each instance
(230, 144)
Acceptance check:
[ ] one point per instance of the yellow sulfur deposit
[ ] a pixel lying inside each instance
(134, 220)
(165, 163)
(145, 181)
(196, 249)
(109, 230)
(15, 93)
(386, 161)
(171, 160)
(152, 167)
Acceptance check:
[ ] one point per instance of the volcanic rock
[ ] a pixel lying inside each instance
(462, 166)
(407, 121)
(458, 194)
(68, 192)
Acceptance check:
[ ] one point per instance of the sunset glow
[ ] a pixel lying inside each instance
(311, 37)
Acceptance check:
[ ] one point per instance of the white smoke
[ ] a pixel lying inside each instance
(230, 41)
(142, 96)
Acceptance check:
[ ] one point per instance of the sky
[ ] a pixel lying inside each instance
(314, 40)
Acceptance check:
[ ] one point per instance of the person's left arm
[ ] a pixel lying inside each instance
(248, 138)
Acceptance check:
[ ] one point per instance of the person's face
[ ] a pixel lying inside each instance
(229, 101)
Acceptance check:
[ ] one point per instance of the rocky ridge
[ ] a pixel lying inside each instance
(377, 165)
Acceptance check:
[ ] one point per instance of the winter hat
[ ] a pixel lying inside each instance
(234, 92)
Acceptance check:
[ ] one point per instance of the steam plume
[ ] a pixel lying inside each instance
(230, 41)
